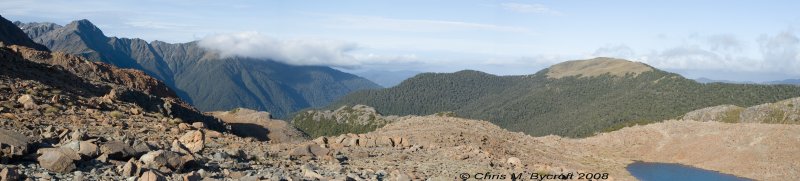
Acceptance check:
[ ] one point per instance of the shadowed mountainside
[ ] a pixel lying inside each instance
(202, 77)
(15, 36)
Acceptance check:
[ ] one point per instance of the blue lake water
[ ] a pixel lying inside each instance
(652, 171)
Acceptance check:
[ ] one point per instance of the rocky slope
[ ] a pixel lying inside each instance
(202, 77)
(64, 117)
(435, 146)
(781, 112)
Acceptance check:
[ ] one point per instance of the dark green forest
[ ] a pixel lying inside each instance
(570, 106)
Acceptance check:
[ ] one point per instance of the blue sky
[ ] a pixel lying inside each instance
(744, 40)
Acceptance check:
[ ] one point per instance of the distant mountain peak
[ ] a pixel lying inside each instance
(597, 66)
(83, 22)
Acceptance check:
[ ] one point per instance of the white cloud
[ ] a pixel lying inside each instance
(530, 8)
(415, 25)
(778, 53)
(690, 57)
(725, 43)
(782, 51)
(296, 51)
(617, 51)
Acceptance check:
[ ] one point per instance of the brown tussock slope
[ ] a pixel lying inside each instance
(597, 66)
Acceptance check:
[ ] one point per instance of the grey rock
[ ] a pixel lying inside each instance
(141, 148)
(88, 149)
(317, 150)
(117, 150)
(13, 144)
(163, 158)
(59, 160)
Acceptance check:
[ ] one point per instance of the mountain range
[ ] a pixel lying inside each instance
(387, 78)
(785, 81)
(202, 77)
(574, 98)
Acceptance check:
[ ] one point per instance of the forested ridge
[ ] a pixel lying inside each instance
(572, 106)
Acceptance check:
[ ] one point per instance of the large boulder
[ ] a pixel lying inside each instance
(301, 151)
(117, 150)
(13, 144)
(59, 160)
(193, 140)
(317, 150)
(310, 150)
(163, 158)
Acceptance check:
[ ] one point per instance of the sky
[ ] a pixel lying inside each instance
(726, 40)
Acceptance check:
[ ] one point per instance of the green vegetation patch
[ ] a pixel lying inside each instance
(306, 123)
(733, 116)
(571, 106)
